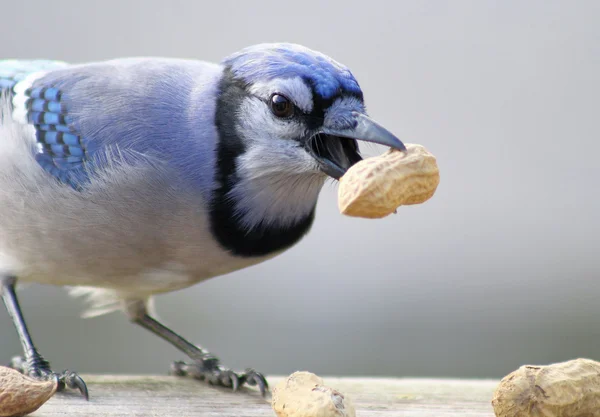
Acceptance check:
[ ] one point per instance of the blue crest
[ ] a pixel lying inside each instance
(286, 60)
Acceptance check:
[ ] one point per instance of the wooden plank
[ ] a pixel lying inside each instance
(165, 396)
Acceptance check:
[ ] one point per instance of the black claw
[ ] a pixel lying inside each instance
(253, 378)
(71, 380)
(74, 381)
(235, 381)
(40, 369)
(177, 368)
(209, 370)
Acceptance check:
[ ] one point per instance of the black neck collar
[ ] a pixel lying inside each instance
(230, 233)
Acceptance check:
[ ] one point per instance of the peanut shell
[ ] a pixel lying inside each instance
(21, 394)
(375, 187)
(566, 389)
(303, 394)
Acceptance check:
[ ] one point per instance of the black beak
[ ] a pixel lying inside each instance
(336, 150)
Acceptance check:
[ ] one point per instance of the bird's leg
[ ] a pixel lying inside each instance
(205, 366)
(33, 364)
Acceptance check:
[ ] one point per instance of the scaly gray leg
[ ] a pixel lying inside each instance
(33, 364)
(205, 366)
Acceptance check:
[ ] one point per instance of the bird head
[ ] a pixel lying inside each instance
(288, 118)
(297, 111)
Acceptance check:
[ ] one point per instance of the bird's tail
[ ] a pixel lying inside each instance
(101, 300)
(104, 301)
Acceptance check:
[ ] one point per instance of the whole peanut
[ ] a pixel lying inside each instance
(303, 394)
(375, 187)
(20, 394)
(566, 389)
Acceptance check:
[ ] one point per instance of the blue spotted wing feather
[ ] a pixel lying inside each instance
(61, 150)
(58, 146)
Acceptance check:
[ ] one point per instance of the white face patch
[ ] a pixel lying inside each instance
(258, 124)
(278, 180)
(272, 143)
(293, 88)
(277, 187)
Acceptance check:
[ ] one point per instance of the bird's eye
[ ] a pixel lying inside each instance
(281, 106)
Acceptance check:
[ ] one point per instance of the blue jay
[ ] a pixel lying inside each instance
(133, 177)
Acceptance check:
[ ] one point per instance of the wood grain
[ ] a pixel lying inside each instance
(167, 396)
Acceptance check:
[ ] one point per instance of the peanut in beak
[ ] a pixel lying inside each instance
(376, 187)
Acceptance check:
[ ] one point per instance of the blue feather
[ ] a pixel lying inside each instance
(52, 128)
(138, 108)
(267, 61)
(6, 83)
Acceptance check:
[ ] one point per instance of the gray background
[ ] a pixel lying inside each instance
(499, 269)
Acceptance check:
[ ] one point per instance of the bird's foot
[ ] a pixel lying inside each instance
(39, 368)
(208, 369)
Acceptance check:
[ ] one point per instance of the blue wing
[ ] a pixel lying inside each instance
(87, 115)
(61, 148)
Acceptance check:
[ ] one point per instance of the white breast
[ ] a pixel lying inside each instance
(136, 229)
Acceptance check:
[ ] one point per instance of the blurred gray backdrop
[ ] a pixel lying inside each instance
(500, 268)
